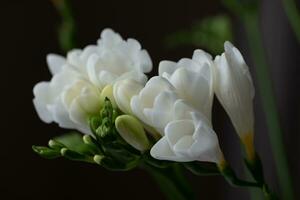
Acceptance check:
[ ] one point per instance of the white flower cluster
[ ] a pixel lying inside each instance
(176, 104)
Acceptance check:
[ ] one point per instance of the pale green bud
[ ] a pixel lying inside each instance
(55, 144)
(132, 131)
(108, 92)
(87, 140)
(98, 159)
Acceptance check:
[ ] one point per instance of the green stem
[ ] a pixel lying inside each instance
(293, 15)
(230, 176)
(171, 182)
(251, 23)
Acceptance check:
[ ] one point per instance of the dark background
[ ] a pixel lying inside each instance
(28, 34)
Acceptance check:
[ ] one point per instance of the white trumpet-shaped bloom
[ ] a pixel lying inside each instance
(188, 138)
(186, 133)
(74, 92)
(234, 89)
(193, 79)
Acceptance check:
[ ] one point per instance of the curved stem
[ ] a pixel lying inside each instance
(251, 23)
(293, 15)
(171, 181)
(232, 179)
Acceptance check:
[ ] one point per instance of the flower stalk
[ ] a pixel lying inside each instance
(171, 181)
(251, 23)
(293, 14)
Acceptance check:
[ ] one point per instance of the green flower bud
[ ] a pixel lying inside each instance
(98, 159)
(87, 139)
(55, 144)
(94, 123)
(46, 152)
(132, 131)
(72, 155)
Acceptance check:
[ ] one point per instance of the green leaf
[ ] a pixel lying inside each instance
(74, 142)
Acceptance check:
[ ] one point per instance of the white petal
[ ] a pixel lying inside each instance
(162, 111)
(167, 66)
(138, 109)
(87, 52)
(109, 38)
(162, 151)
(73, 57)
(194, 88)
(55, 63)
(135, 75)
(123, 91)
(206, 146)
(41, 100)
(182, 110)
(107, 77)
(183, 145)
(202, 57)
(145, 61)
(93, 70)
(80, 117)
(60, 114)
(153, 87)
(175, 130)
(188, 64)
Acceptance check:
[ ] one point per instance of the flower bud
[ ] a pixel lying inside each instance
(46, 152)
(55, 144)
(73, 155)
(235, 91)
(98, 159)
(107, 92)
(132, 132)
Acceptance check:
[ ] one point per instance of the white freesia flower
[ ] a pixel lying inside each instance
(75, 90)
(186, 133)
(234, 89)
(193, 79)
(188, 139)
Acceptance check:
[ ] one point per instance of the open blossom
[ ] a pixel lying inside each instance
(192, 78)
(74, 92)
(186, 133)
(188, 138)
(234, 89)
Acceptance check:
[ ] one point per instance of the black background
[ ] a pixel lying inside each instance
(28, 33)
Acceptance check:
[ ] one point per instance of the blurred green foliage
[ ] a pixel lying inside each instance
(209, 33)
(67, 28)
